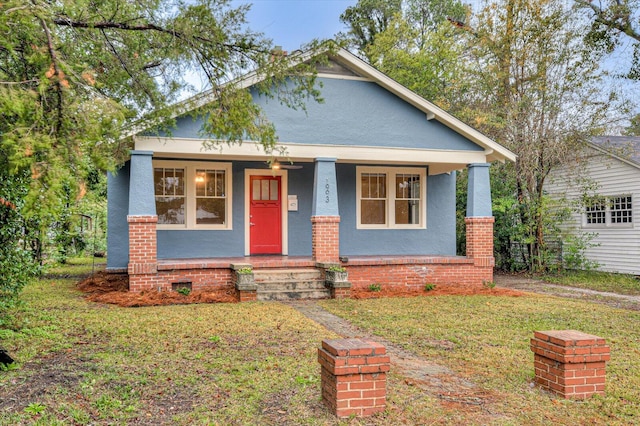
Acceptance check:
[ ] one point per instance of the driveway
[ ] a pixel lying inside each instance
(533, 285)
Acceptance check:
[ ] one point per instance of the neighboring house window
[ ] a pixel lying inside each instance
(621, 209)
(192, 195)
(389, 197)
(609, 211)
(596, 211)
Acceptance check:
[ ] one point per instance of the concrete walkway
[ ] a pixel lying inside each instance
(436, 380)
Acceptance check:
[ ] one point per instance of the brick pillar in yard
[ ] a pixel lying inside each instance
(353, 376)
(570, 363)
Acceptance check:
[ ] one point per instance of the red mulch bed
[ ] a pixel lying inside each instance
(113, 288)
(439, 290)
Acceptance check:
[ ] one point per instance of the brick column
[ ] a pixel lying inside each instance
(353, 376)
(570, 363)
(143, 252)
(480, 243)
(325, 239)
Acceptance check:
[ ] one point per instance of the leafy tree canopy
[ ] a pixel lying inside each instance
(369, 18)
(613, 21)
(74, 73)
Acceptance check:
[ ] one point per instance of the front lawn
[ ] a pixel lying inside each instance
(255, 363)
(486, 339)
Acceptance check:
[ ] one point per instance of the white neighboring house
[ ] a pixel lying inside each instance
(610, 208)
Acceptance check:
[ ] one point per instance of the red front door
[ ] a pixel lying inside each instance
(265, 215)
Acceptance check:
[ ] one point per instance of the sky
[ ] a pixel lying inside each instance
(293, 23)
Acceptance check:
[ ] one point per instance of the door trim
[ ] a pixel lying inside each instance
(284, 192)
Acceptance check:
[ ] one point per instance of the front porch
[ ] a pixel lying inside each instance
(301, 277)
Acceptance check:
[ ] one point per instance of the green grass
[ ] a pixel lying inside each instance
(599, 281)
(487, 341)
(256, 363)
(76, 266)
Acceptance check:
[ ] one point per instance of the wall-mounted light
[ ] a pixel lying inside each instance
(199, 178)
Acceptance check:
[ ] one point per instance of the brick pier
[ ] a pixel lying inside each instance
(570, 363)
(354, 376)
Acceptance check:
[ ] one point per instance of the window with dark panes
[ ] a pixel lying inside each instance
(170, 195)
(620, 208)
(373, 202)
(210, 196)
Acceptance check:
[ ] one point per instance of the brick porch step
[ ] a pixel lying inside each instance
(290, 284)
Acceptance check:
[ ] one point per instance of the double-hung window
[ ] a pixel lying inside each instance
(192, 195)
(391, 197)
(615, 210)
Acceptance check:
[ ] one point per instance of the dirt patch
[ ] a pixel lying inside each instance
(438, 290)
(111, 288)
(57, 373)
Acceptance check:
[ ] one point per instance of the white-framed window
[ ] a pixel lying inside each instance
(391, 197)
(621, 210)
(596, 211)
(192, 195)
(614, 210)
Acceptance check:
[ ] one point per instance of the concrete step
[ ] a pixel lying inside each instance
(294, 295)
(290, 284)
(268, 275)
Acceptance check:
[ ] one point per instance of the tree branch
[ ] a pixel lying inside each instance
(68, 22)
(57, 73)
(9, 83)
(620, 22)
(113, 49)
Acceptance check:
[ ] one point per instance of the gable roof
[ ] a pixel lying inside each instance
(623, 148)
(494, 150)
(352, 64)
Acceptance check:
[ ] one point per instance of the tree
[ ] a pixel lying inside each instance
(412, 42)
(611, 21)
(370, 18)
(426, 62)
(74, 74)
(367, 19)
(633, 129)
(539, 93)
(16, 267)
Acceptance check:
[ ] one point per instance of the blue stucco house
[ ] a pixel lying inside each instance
(371, 187)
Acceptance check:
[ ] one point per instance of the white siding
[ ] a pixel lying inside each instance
(615, 248)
